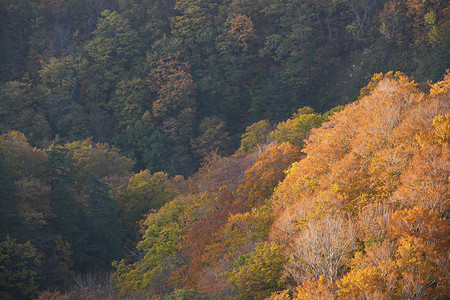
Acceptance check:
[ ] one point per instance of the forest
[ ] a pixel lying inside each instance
(227, 149)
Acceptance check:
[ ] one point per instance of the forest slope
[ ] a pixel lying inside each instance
(362, 213)
(352, 203)
(164, 81)
(190, 148)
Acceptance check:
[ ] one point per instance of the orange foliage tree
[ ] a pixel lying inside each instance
(386, 152)
(411, 263)
(262, 178)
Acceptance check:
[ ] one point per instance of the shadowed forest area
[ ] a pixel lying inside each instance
(232, 149)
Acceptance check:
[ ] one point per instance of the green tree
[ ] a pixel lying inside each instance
(258, 274)
(145, 192)
(105, 231)
(297, 128)
(213, 137)
(18, 20)
(150, 273)
(20, 110)
(96, 158)
(73, 123)
(65, 218)
(18, 160)
(57, 267)
(113, 48)
(60, 87)
(33, 202)
(255, 135)
(292, 43)
(193, 29)
(24, 159)
(63, 76)
(194, 20)
(150, 17)
(146, 146)
(8, 207)
(19, 264)
(131, 100)
(265, 97)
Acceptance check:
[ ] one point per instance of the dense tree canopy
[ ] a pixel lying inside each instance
(224, 149)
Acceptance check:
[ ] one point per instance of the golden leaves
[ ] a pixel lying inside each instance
(388, 152)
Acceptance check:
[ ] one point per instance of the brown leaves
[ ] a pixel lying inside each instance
(172, 81)
(242, 30)
(165, 68)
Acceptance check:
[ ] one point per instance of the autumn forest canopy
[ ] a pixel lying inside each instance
(230, 149)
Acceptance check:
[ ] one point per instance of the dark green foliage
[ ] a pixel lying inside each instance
(61, 180)
(80, 71)
(56, 268)
(18, 160)
(213, 138)
(132, 99)
(70, 227)
(104, 229)
(9, 221)
(69, 218)
(19, 265)
(75, 124)
(146, 146)
(21, 110)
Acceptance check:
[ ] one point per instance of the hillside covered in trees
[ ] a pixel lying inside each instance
(198, 149)
(167, 82)
(357, 210)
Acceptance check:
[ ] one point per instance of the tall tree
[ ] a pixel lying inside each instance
(175, 107)
(66, 212)
(105, 230)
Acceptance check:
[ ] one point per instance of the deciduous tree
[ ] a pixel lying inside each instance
(255, 135)
(263, 177)
(259, 273)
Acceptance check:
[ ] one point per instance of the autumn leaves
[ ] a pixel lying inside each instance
(367, 207)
